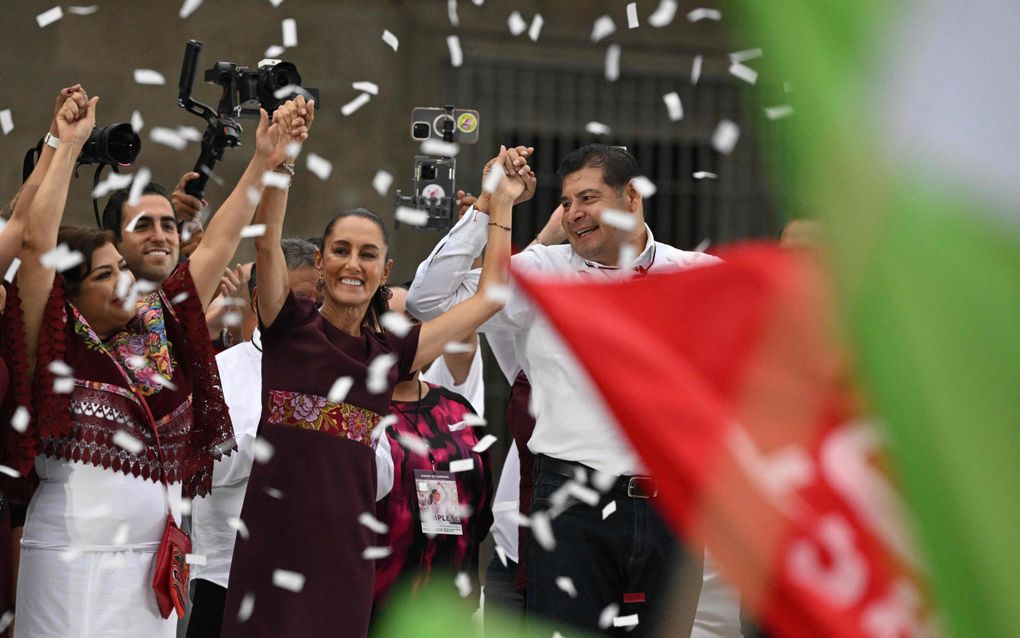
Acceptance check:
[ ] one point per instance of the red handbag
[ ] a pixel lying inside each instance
(170, 578)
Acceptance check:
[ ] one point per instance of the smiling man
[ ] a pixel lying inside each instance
(146, 232)
(625, 559)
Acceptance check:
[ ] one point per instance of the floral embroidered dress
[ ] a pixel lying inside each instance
(438, 419)
(302, 505)
(98, 509)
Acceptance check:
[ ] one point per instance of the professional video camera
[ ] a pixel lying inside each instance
(434, 185)
(245, 91)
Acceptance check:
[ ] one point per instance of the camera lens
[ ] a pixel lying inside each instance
(421, 130)
(428, 172)
(123, 144)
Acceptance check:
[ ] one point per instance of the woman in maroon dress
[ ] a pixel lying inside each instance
(327, 379)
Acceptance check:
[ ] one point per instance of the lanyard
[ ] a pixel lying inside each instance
(414, 423)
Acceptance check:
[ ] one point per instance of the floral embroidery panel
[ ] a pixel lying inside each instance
(313, 412)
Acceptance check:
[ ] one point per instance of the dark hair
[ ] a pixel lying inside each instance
(617, 164)
(298, 253)
(115, 205)
(86, 241)
(378, 306)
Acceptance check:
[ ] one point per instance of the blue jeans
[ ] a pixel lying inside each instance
(626, 559)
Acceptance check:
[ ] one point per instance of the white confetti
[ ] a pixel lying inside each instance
(663, 14)
(632, 19)
(276, 3)
(355, 104)
(566, 585)
(501, 553)
(63, 385)
(366, 87)
(235, 523)
(158, 379)
(517, 24)
(463, 583)
(704, 175)
(321, 166)
(124, 440)
(626, 621)
(457, 347)
(381, 182)
(82, 11)
(186, 504)
(411, 216)
(644, 186)
(703, 245)
(608, 510)
(274, 51)
(232, 318)
(378, 371)
(373, 553)
(189, 133)
(744, 56)
(6, 121)
(433, 146)
(247, 607)
(9, 471)
(536, 27)
(380, 427)
(597, 128)
(673, 106)
(19, 421)
(289, 27)
(704, 14)
(484, 444)
(138, 184)
(696, 69)
(70, 555)
(492, 180)
(745, 73)
(263, 450)
(725, 137)
(396, 323)
(136, 121)
(603, 27)
(585, 494)
(253, 194)
(5, 620)
(179, 298)
(390, 39)
(451, 12)
(273, 179)
(293, 149)
(168, 137)
(12, 270)
(628, 253)
(253, 230)
(373, 523)
(149, 76)
(46, 18)
(618, 219)
(60, 368)
(61, 258)
(603, 481)
(456, 55)
(607, 615)
(195, 559)
(613, 62)
(291, 581)
(413, 443)
(462, 465)
(187, 9)
(778, 112)
(275, 493)
(338, 391)
(474, 420)
(541, 530)
(499, 293)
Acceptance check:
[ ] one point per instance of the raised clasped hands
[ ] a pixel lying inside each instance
(518, 175)
(291, 123)
(522, 154)
(76, 117)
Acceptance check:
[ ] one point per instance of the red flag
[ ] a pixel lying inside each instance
(728, 383)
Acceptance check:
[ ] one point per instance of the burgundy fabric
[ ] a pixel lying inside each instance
(522, 425)
(16, 449)
(415, 555)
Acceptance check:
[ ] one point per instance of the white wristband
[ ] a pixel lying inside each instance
(51, 140)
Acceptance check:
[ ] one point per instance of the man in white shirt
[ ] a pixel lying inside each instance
(625, 558)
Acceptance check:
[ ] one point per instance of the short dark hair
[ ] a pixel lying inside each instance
(86, 241)
(298, 253)
(617, 164)
(113, 211)
(378, 306)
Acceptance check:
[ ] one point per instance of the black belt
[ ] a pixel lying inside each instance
(631, 486)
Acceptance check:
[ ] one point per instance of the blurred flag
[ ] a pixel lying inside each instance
(728, 382)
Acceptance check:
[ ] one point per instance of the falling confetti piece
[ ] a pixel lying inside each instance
(12, 270)
(396, 323)
(378, 371)
(501, 553)
(541, 530)
(6, 121)
(291, 581)
(253, 230)
(149, 76)
(46, 18)
(126, 441)
(355, 104)
(390, 39)
(603, 481)
(778, 112)
(597, 128)
(644, 186)
(179, 298)
(366, 87)
(263, 450)
(626, 621)
(189, 133)
(474, 420)
(456, 55)
(321, 166)
(138, 184)
(463, 583)
(136, 121)
(608, 510)
(247, 607)
(185, 506)
(83, 10)
(236, 524)
(159, 379)
(167, 137)
(704, 14)
(628, 253)
(517, 24)
(381, 182)
(586, 495)
(60, 368)
(380, 427)
(607, 615)
(703, 245)
(484, 444)
(195, 559)
(253, 194)
(536, 27)
(373, 523)
(338, 391)
(272, 179)
(63, 386)
(747, 54)
(451, 12)
(663, 14)
(413, 443)
(275, 493)
(188, 8)
(632, 19)
(5, 620)
(374, 553)
(725, 137)
(439, 147)
(674, 106)
(276, 3)
(492, 180)
(457, 347)
(696, 69)
(289, 27)
(499, 293)
(618, 219)
(603, 27)
(19, 421)
(462, 465)
(745, 73)
(566, 585)
(274, 51)
(411, 216)
(9, 471)
(613, 62)
(61, 258)
(704, 175)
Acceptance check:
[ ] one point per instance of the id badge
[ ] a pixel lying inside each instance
(438, 502)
